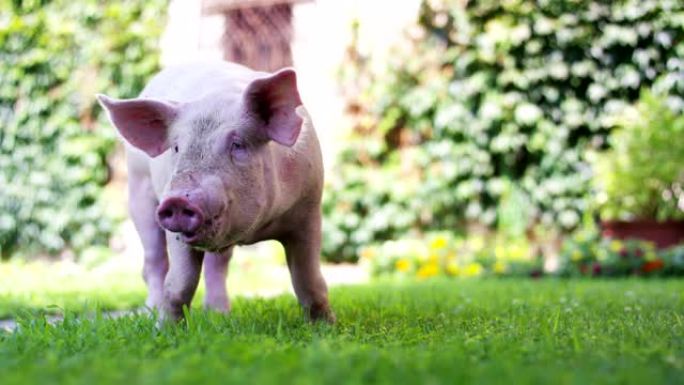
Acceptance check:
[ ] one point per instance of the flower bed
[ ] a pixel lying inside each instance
(584, 254)
(589, 255)
(442, 254)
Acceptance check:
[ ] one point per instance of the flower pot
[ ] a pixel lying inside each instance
(663, 234)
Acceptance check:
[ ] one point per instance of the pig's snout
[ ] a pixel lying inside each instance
(179, 215)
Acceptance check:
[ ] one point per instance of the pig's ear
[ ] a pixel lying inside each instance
(142, 122)
(273, 100)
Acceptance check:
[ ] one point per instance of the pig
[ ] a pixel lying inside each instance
(220, 155)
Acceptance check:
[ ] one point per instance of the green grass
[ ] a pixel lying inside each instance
(48, 287)
(451, 332)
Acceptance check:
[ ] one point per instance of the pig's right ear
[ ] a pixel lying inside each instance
(143, 123)
(274, 100)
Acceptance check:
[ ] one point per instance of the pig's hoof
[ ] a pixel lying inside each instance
(148, 311)
(160, 323)
(217, 306)
(322, 313)
(164, 319)
(153, 304)
(223, 311)
(169, 316)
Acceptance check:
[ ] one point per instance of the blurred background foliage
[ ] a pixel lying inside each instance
(496, 132)
(642, 174)
(490, 115)
(54, 141)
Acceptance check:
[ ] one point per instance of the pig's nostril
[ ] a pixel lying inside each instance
(166, 213)
(178, 215)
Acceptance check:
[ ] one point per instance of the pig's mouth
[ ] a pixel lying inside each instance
(190, 238)
(201, 239)
(196, 241)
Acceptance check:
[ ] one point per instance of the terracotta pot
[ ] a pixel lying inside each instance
(663, 234)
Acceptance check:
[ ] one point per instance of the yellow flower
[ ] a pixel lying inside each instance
(453, 269)
(576, 255)
(428, 270)
(500, 267)
(367, 253)
(615, 246)
(439, 242)
(403, 265)
(499, 252)
(423, 254)
(518, 252)
(477, 243)
(472, 270)
(581, 237)
(602, 255)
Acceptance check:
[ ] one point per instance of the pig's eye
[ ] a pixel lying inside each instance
(238, 150)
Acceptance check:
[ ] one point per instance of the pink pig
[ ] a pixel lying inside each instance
(220, 155)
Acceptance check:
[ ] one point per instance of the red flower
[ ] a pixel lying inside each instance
(584, 268)
(653, 265)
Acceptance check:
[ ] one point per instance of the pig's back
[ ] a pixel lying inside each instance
(193, 81)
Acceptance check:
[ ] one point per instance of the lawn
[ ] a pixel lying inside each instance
(432, 332)
(116, 283)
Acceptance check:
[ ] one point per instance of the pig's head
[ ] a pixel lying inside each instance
(222, 163)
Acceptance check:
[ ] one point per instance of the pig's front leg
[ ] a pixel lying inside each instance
(303, 248)
(215, 270)
(142, 206)
(185, 265)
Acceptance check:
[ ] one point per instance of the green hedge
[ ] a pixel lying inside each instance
(485, 114)
(54, 141)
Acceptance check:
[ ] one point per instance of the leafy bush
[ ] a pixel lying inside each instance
(54, 56)
(642, 175)
(489, 101)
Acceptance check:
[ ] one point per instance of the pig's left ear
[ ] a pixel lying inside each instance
(143, 123)
(273, 101)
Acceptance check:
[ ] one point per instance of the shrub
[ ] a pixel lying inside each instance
(494, 100)
(642, 175)
(54, 56)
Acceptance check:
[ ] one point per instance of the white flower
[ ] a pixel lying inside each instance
(596, 92)
(527, 113)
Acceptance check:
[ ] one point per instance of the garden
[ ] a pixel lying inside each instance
(510, 187)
